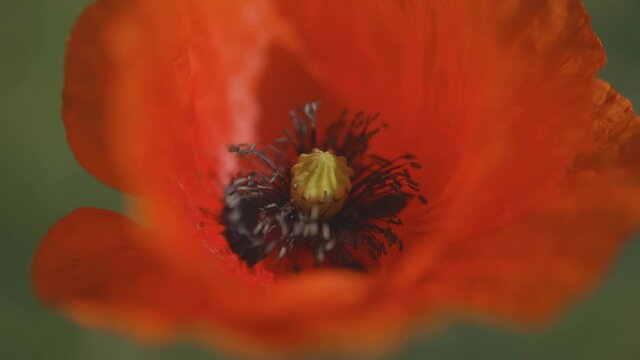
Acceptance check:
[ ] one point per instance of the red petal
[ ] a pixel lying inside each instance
(155, 92)
(491, 97)
(532, 268)
(417, 64)
(101, 268)
(97, 266)
(86, 94)
(157, 86)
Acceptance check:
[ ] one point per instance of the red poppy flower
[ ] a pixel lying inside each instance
(528, 162)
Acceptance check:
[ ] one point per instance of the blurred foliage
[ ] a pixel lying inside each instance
(41, 182)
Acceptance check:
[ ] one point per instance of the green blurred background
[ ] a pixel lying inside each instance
(40, 182)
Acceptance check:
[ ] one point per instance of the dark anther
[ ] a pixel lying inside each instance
(263, 221)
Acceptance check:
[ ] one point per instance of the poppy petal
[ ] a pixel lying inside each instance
(536, 119)
(151, 79)
(534, 267)
(473, 89)
(86, 93)
(94, 265)
(415, 63)
(173, 84)
(100, 268)
(97, 267)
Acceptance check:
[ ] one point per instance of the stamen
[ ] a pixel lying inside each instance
(334, 202)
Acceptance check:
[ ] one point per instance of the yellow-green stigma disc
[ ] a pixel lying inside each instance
(320, 183)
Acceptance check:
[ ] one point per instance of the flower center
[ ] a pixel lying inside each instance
(320, 183)
(303, 203)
